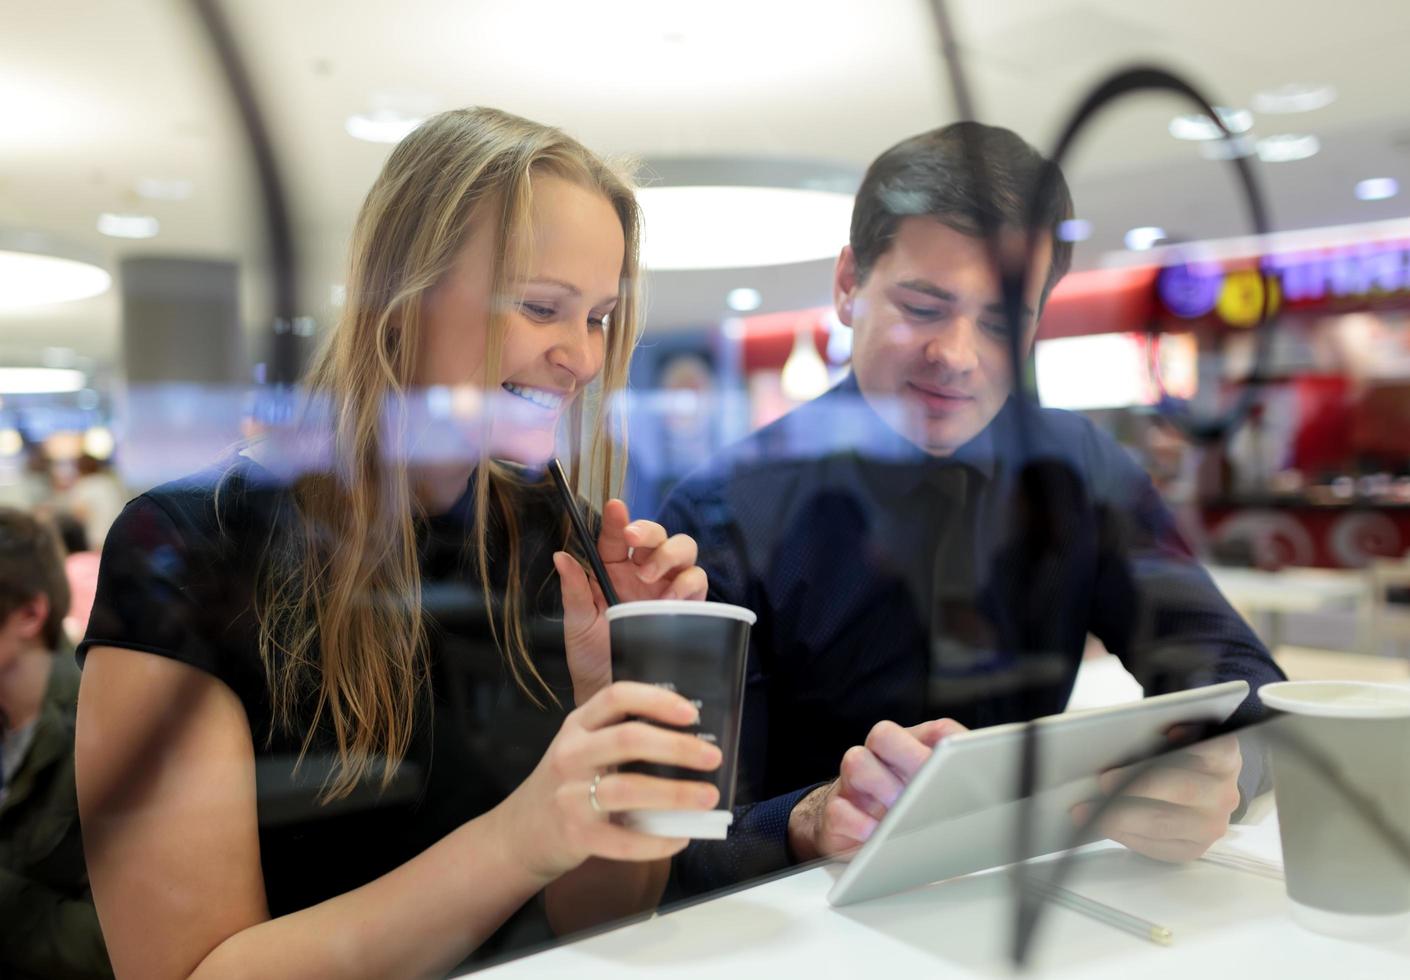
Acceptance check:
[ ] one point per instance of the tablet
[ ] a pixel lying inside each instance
(959, 814)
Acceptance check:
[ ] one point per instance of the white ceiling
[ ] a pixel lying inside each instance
(96, 94)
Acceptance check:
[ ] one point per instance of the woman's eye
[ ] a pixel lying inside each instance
(537, 310)
(599, 322)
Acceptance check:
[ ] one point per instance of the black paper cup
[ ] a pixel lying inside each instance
(697, 649)
(1343, 878)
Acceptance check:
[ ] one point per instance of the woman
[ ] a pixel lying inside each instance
(322, 726)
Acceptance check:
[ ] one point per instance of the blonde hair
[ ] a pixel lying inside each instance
(340, 619)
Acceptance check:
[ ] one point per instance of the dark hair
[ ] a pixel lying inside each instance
(71, 532)
(31, 564)
(929, 174)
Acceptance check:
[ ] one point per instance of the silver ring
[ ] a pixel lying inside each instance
(592, 793)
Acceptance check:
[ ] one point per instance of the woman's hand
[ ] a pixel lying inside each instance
(643, 563)
(551, 823)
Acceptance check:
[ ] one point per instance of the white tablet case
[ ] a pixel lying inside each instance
(959, 814)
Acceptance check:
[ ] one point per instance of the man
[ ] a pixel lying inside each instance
(50, 928)
(926, 554)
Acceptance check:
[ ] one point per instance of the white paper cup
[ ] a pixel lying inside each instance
(1343, 877)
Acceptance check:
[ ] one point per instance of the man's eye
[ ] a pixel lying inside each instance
(919, 312)
(999, 328)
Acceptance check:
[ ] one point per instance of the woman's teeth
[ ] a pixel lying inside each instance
(541, 398)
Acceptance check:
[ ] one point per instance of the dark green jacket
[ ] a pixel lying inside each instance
(48, 927)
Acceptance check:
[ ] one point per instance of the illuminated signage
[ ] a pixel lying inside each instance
(1196, 289)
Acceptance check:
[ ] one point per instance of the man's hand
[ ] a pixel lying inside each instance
(1179, 807)
(836, 819)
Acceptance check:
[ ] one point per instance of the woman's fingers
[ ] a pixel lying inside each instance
(691, 584)
(637, 741)
(627, 698)
(612, 544)
(621, 792)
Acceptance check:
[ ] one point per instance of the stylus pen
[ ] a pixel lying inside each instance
(1242, 862)
(1113, 917)
(570, 504)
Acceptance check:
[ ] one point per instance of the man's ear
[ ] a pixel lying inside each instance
(32, 615)
(844, 285)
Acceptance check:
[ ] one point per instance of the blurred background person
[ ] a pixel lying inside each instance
(50, 928)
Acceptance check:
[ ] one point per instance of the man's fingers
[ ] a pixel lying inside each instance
(932, 733)
(844, 827)
(867, 782)
(1131, 818)
(1216, 755)
(1178, 785)
(897, 748)
(1173, 851)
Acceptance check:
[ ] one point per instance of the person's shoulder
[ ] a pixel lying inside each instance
(775, 453)
(200, 506)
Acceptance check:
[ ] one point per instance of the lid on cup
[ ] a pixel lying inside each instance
(1338, 699)
(679, 607)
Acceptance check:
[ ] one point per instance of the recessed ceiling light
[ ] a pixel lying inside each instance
(163, 189)
(382, 125)
(1377, 188)
(744, 299)
(1229, 149)
(1198, 126)
(36, 270)
(39, 380)
(1287, 147)
(1294, 97)
(1074, 230)
(726, 227)
(128, 225)
(1147, 236)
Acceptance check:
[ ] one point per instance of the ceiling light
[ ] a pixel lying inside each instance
(744, 299)
(1074, 230)
(384, 125)
(1198, 126)
(1294, 97)
(39, 380)
(1377, 188)
(11, 442)
(737, 227)
(740, 212)
(128, 225)
(163, 189)
(1140, 239)
(1229, 149)
(1287, 147)
(36, 270)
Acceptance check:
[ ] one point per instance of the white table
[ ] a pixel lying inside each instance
(1225, 923)
(1292, 590)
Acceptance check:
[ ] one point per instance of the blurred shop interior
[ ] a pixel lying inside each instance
(135, 294)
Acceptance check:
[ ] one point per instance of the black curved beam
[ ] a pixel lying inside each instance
(283, 364)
